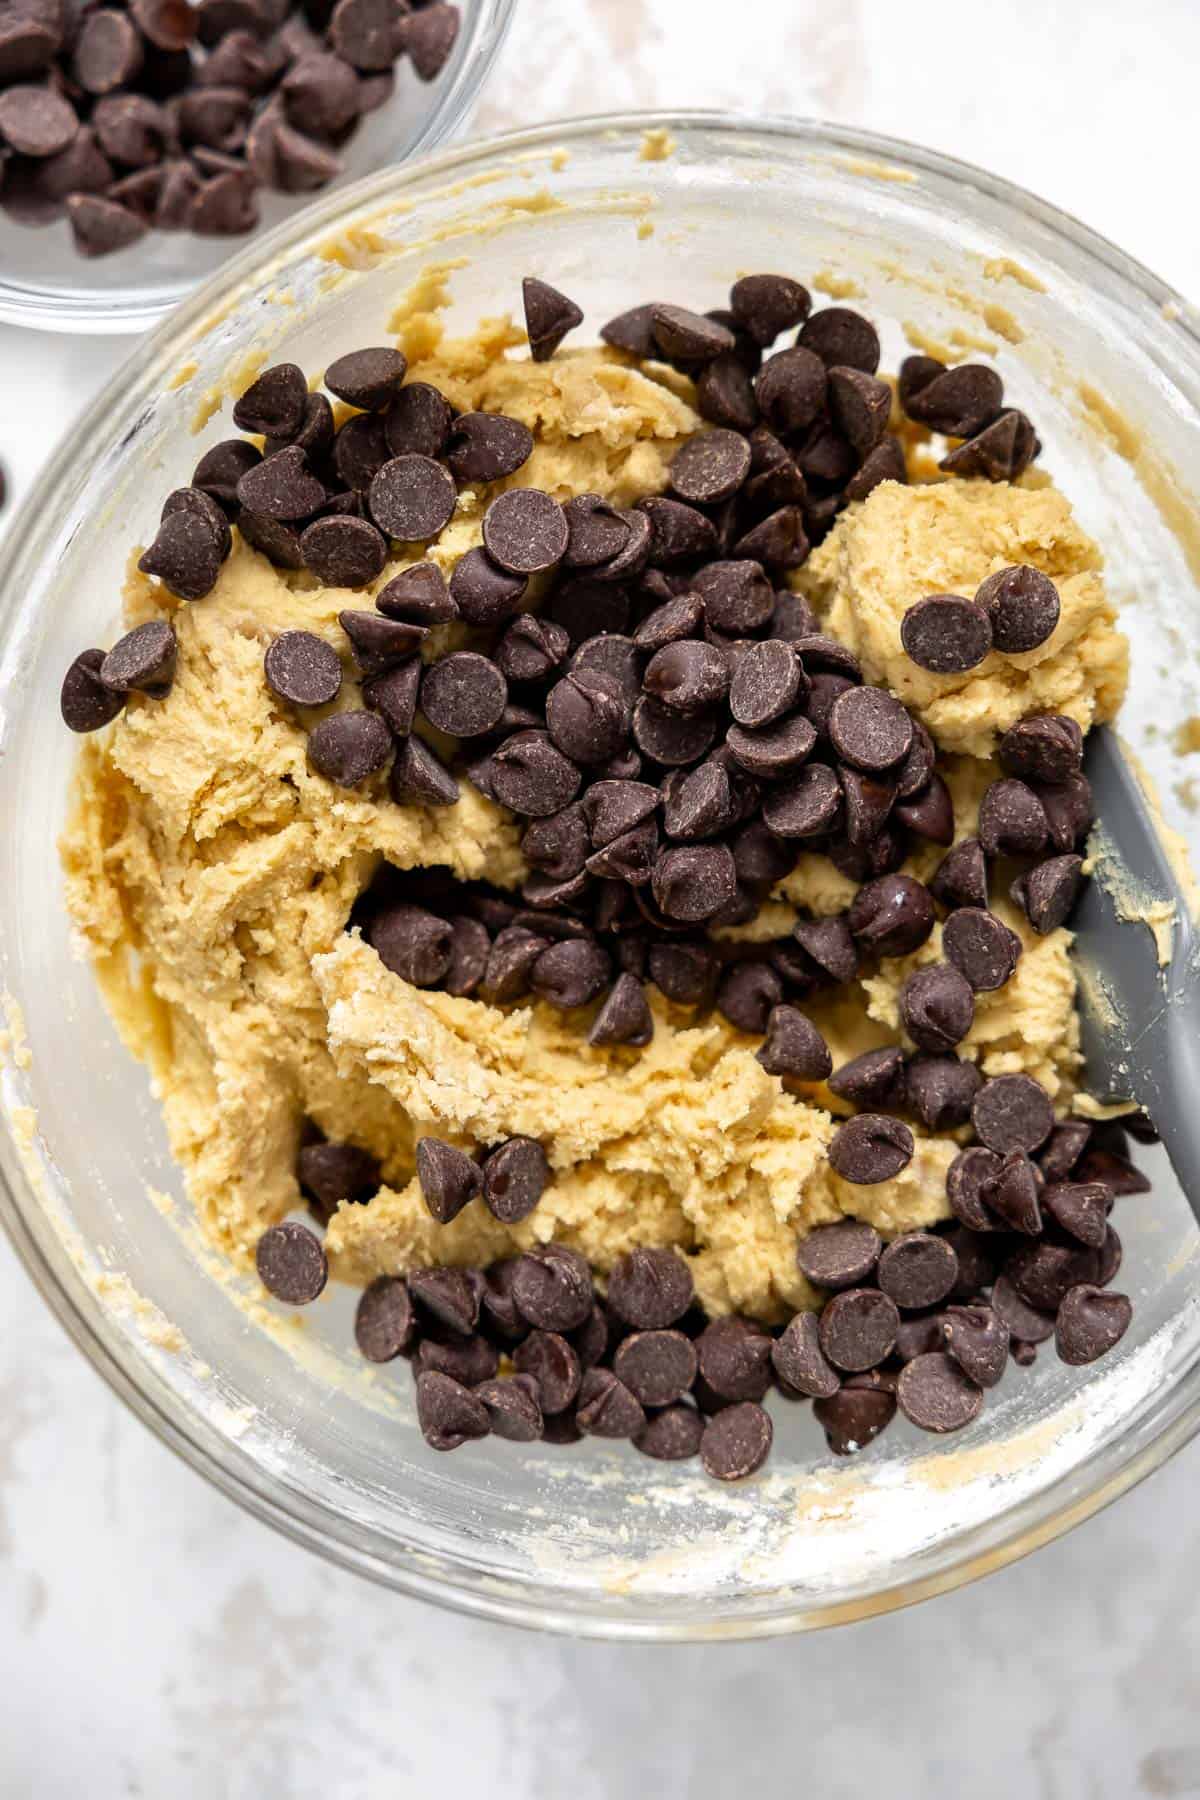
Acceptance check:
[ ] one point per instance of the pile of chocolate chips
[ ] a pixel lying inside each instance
(171, 114)
(527, 1350)
(676, 732)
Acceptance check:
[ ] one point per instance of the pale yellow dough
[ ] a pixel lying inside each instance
(944, 538)
(212, 874)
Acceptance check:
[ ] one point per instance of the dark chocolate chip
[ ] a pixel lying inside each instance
(1080, 1208)
(1046, 747)
(970, 1182)
(977, 1338)
(657, 1367)
(291, 1263)
(587, 716)
(303, 668)
(632, 332)
(678, 533)
(1023, 606)
(463, 694)
(842, 338)
(553, 1289)
(935, 1393)
(946, 634)
(710, 467)
(429, 36)
(790, 389)
(684, 972)
(393, 694)
(531, 776)
(384, 1326)
(1047, 893)
(449, 1178)
(448, 1413)
(625, 1017)
(891, 916)
(871, 1147)
(1044, 1272)
(688, 336)
(874, 1079)
(487, 446)
(1000, 452)
(687, 677)
(858, 1328)
(940, 1090)
(957, 402)
(917, 1270)
(859, 405)
(870, 728)
(794, 1046)
(692, 882)
(842, 1255)
(734, 1359)
(571, 973)
(1068, 810)
(343, 552)
(366, 378)
(725, 393)
(981, 947)
(852, 1417)
(411, 498)
(1028, 1324)
(413, 943)
(525, 531)
(143, 660)
(274, 404)
(805, 805)
(828, 943)
(86, 704)
(1013, 1112)
(484, 593)
(650, 1288)
(736, 1442)
(747, 994)
(185, 555)
(960, 879)
(1063, 1148)
(937, 1007)
(418, 421)
(596, 531)
(514, 1179)
(885, 463)
(767, 305)
(1090, 1323)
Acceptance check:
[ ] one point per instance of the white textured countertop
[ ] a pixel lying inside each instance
(156, 1642)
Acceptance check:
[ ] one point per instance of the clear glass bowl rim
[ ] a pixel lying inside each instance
(1008, 1535)
(130, 310)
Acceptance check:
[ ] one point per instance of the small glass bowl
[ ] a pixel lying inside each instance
(46, 285)
(281, 1412)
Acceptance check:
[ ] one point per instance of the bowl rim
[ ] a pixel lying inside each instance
(89, 312)
(1011, 1532)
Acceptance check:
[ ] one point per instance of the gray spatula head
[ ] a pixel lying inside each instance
(1137, 951)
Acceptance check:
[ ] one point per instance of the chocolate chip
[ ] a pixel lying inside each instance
(1044, 1272)
(874, 1079)
(360, 450)
(108, 52)
(450, 1297)
(349, 747)
(509, 962)
(1080, 1208)
(800, 1364)
(1068, 810)
(366, 378)
(331, 1173)
(185, 555)
(774, 752)
(378, 642)
(650, 1288)
(429, 36)
(413, 943)
(672, 1435)
(657, 1367)
(384, 1326)
(710, 467)
(143, 660)
(960, 879)
(946, 634)
(981, 947)
(768, 681)
(1047, 893)
(552, 1288)
(471, 1360)
(531, 776)
(891, 916)
(871, 1147)
(195, 500)
(303, 668)
(483, 593)
(970, 1183)
(277, 541)
(917, 372)
(790, 389)
(449, 1178)
(1116, 1172)
(734, 1359)
(858, 1328)
(977, 1338)
(571, 973)
(1012, 820)
(842, 338)
(805, 805)
(1110, 1258)
(36, 121)
(1027, 1323)
(917, 1270)
(596, 531)
(937, 1007)
(935, 1393)
(274, 405)
(940, 1090)
(859, 405)
(828, 944)
(512, 1408)
(1090, 1323)
(767, 305)
(957, 402)
(487, 446)
(448, 1413)
(221, 468)
(514, 1180)
(282, 487)
(1013, 1112)
(685, 973)
(885, 463)
(549, 316)
(86, 704)
(411, 498)
(930, 815)
(1023, 606)
(463, 694)
(725, 394)
(747, 994)
(1000, 452)
(1063, 1148)
(606, 1408)
(625, 1017)
(852, 1417)
(343, 552)
(692, 882)
(1046, 747)
(291, 1263)
(870, 728)
(736, 1442)
(688, 336)
(842, 1255)
(525, 531)
(393, 695)
(794, 1046)
(587, 717)
(687, 677)
(27, 46)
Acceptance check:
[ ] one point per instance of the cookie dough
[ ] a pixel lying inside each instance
(212, 875)
(945, 538)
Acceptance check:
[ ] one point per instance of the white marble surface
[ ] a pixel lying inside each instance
(155, 1642)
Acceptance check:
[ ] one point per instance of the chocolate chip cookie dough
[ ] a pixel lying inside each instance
(228, 828)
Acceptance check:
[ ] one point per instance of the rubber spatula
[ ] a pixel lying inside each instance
(1140, 1017)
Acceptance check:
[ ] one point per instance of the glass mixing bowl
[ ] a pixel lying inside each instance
(282, 1413)
(46, 284)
